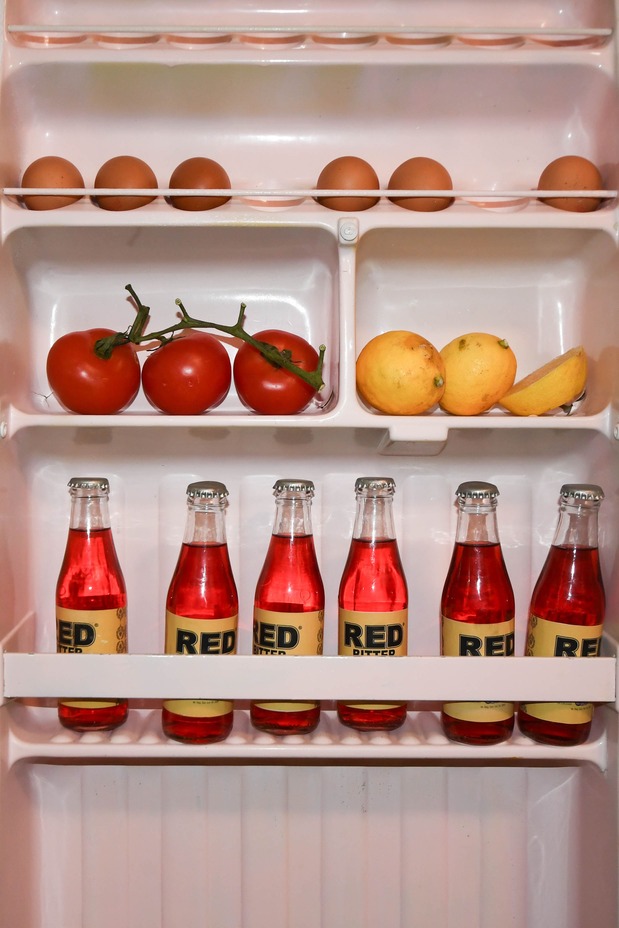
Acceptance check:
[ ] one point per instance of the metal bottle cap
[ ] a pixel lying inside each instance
(582, 491)
(288, 485)
(100, 484)
(373, 485)
(477, 489)
(207, 489)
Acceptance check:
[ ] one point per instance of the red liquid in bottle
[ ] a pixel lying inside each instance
(570, 591)
(91, 579)
(289, 585)
(373, 581)
(202, 588)
(478, 592)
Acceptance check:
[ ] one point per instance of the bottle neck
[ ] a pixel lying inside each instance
(293, 516)
(205, 525)
(374, 519)
(89, 513)
(477, 523)
(577, 526)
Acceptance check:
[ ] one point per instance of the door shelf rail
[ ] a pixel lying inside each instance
(36, 736)
(156, 676)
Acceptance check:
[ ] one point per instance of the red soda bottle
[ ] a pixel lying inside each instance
(201, 612)
(91, 600)
(567, 613)
(373, 599)
(477, 612)
(289, 603)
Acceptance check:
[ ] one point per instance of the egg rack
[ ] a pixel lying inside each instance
(510, 200)
(341, 25)
(273, 36)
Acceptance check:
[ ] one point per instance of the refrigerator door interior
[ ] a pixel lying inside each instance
(337, 827)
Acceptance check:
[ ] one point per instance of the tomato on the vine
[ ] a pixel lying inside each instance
(188, 375)
(87, 384)
(268, 389)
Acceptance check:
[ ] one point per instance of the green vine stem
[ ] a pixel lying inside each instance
(135, 335)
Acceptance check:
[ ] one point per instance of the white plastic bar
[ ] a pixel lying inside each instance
(149, 28)
(253, 677)
(302, 192)
(430, 428)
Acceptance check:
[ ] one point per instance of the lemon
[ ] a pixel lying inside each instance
(479, 370)
(400, 373)
(554, 384)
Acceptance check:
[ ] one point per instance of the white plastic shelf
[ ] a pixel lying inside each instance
(35, 735)
(258, 677)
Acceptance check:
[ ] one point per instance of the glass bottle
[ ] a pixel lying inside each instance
(289, 603)
(91, 600)
(567, 612)
(477, 612)
(201, 612)
(373, 599)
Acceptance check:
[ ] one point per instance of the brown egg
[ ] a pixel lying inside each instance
(348, 173)
(421, 174)
(50, 172)
(571, 172)
(202, 174)
(124, 171)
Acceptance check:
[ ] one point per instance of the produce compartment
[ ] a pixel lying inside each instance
(275, 128)
(255, 846)
(74, 279)
(543, 292)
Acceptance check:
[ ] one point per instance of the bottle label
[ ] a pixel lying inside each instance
(479, 711)
(373, 706)
(286, 706)
(200, 636)
(467, 639)
(289, 634)
(382, 634)
(96, 631)
(558, 639)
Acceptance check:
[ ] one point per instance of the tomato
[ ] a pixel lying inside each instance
(272, 390)
(188, 375)
(87, 384)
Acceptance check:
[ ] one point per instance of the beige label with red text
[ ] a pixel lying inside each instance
(467, 639)
(558, 639)
(86, 631)
(200, 636)
(291, 634)
(376, 634)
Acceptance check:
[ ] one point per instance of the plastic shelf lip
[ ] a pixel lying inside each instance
(262, 677)
(265, 193)
(327, 28)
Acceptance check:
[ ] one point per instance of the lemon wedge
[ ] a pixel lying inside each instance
(555, 384)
